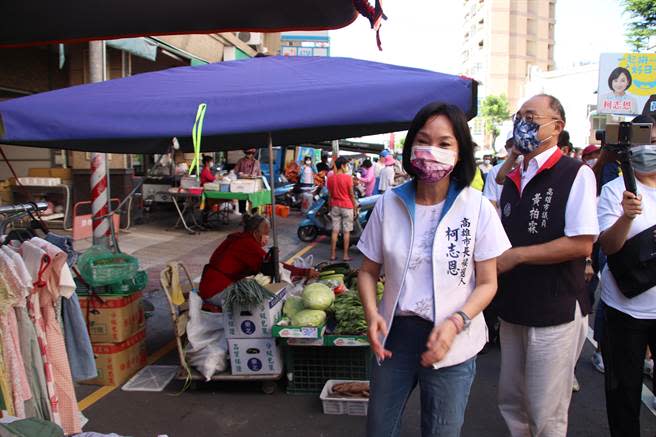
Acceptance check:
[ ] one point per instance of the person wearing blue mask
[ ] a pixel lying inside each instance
(548, 209)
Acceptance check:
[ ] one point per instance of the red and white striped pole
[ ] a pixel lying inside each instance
(99, 188)
(99, 199)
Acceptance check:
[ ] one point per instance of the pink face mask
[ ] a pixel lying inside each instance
(432, 164)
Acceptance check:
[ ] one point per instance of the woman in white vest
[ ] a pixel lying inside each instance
(437, 241)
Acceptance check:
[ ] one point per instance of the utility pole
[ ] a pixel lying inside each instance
(99, 172)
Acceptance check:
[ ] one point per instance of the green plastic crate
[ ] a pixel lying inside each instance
(129, 286)
(309, 367)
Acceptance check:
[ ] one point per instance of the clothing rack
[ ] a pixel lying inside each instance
(23, 207)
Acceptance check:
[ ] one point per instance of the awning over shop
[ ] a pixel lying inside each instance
(353, 146)
(48, 22)
(141, 47)
(295, 99)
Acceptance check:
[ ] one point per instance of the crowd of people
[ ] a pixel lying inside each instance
(528, 252)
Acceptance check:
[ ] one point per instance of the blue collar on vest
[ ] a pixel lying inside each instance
(408, 191)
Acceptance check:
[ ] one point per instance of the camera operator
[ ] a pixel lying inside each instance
(630, 322)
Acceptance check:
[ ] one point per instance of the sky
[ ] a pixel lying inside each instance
(428, 33)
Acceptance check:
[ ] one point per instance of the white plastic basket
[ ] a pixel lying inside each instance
(349, 406)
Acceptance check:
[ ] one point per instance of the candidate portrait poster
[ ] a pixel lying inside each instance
(627, 82)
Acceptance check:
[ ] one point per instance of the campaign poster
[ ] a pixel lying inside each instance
(627, 84)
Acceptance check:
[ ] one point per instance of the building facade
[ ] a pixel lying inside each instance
(502, 41)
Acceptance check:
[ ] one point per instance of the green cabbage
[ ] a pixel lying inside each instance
(293, 305)
(309, 318)
(318, 297)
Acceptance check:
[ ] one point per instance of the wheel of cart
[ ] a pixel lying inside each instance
(180, 318)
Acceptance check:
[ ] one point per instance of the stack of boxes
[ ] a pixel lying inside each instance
(252, 348)
(117, 331)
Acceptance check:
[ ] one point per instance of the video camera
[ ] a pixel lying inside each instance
(618, 138)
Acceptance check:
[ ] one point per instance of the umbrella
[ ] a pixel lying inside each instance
(246, 103)
(46, 22)
(295, 99)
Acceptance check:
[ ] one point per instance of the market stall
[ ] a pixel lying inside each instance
(339, 98)
(189, 102)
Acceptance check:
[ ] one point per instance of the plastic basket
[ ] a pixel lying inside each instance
(310, 367)
(349, 406)
(137, 283)
(100, 266)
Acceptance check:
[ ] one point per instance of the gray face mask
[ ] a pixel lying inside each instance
(643, 158)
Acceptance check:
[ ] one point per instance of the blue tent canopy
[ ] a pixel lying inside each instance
(295, 99)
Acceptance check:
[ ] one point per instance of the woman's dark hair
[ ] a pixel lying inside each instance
(341, 162)
(644, 119)
(367, 163)
(465, 170)
(616, 73)
(253, 221)
(206, 159)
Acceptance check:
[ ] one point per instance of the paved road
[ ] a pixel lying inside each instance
(218, 409)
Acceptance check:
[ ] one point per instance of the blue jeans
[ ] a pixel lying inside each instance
(444, 392)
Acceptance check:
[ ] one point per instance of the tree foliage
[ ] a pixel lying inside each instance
(494, 111)
(642, 24)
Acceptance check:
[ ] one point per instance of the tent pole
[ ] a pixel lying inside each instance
(272, 182)
(99, 172)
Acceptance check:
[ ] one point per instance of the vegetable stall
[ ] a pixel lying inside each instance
(337, 98)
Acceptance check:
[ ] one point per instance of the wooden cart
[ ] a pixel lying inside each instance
(180, 318)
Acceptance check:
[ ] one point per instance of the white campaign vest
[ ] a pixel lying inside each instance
(454, 276)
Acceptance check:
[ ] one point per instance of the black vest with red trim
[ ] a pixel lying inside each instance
(541, 295)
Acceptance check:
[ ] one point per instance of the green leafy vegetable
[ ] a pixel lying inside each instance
(245, 293)
(312, 318)
(318, 297)
(293, 305)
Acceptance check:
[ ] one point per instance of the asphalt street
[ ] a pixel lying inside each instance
(241, 409)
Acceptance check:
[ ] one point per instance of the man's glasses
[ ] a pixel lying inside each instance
(531, 117)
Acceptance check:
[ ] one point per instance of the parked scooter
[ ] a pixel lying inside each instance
(318, 222)
(300, 197)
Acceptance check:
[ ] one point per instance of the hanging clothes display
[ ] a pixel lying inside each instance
(78, 343)
(44, 342)
(56, 281)
(38, 406)
(10, 295)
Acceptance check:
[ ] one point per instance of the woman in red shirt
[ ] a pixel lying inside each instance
(206, 174)
(240, 255)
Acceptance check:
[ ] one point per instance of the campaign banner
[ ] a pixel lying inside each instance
(627, 84)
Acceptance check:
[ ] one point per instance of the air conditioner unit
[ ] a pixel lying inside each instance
(250, 38)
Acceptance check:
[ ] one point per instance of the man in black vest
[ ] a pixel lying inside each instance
(548, 209)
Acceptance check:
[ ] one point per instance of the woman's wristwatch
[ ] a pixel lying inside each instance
(465, 318)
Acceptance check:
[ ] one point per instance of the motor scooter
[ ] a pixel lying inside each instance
(296, 198)
(318, 222)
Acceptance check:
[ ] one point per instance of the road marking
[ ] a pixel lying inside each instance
(305, 250)
(107, 389)
(647, 395)
(95, 397)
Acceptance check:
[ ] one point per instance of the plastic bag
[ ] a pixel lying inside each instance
(207, 348)
(304, 263)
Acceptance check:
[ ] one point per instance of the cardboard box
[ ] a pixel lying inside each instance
(115, 318)
(38, 172)
(65, 174)
(256, 322)
(299, 331)
(117, 362)
(254, 356)
(246, 186)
